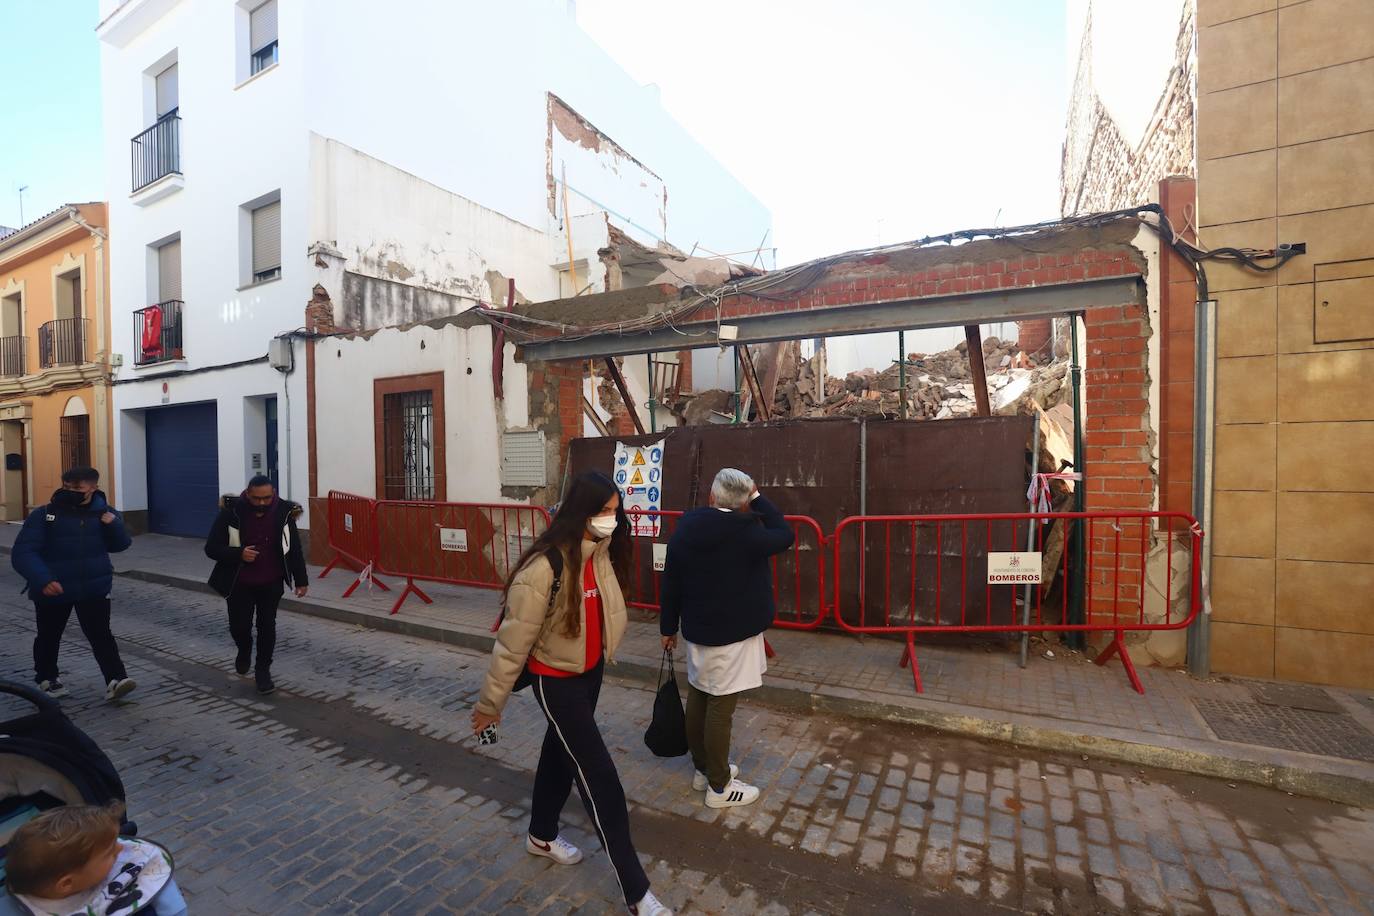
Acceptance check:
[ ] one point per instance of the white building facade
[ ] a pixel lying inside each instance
(407, 166)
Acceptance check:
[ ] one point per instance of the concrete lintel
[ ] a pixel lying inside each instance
(863, 318)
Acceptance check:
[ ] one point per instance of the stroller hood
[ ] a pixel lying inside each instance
(45, 752)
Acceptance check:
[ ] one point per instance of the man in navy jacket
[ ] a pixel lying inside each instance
(718, 584)
(63, 552)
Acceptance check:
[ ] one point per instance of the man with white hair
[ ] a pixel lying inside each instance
(718, 585)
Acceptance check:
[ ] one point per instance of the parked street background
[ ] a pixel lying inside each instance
(356, 789)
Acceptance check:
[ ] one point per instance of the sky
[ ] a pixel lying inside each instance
(49, 107)
(871, 122)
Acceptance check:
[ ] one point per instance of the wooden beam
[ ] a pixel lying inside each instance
(592, 415)
(751, 378)
(974, 335)
(624, 390)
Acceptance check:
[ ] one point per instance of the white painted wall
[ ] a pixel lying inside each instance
(346, 369)
(238, 142)
(456, 94)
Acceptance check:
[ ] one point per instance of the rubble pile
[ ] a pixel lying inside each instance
(938, 385)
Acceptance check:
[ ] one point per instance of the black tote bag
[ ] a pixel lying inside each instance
(667, 732)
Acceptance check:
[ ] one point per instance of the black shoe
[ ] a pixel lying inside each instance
(243, 662)
(265, 685)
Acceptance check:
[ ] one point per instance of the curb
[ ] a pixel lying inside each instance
(1344, 789)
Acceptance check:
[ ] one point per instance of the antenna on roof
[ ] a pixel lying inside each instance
(22, 189)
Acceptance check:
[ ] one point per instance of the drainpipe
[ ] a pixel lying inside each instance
(901, 373)
(1204, 406)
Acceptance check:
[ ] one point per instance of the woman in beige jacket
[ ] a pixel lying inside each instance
(564, 618)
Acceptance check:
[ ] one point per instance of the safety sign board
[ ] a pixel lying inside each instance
(1014, 568)
(637, 465)
(453, 539)
(348, 522)
(660, 557)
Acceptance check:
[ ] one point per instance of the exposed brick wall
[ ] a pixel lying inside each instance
(1033, 337)
(1102, 170)
(1178, 299)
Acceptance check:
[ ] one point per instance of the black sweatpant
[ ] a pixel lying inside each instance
(575, 752)
(247, 602)
(94, 616)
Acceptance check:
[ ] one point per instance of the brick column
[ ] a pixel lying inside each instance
(1178, 298)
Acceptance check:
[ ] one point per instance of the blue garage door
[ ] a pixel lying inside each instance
(183, 469)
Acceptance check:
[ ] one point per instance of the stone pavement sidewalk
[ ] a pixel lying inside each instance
(1311, 741)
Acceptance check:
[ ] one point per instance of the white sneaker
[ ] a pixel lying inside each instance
(560, 850)
(53, 688)
(119, 688)
(649, 906)
(699, 780)
(735, 794)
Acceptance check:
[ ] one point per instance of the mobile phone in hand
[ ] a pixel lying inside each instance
(488, 735)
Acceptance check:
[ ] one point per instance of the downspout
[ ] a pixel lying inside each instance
(1075, 639)
(1204, 411)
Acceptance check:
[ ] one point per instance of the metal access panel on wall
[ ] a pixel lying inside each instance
(524, 459)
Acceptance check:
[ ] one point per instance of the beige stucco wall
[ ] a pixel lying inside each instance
(1286, 154)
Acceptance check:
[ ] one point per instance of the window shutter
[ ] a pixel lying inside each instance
(169, 272)
(262, 26)
(166, 90)
(267, 237)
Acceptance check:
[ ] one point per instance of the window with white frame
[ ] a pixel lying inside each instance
(262, 37)
(266, 241)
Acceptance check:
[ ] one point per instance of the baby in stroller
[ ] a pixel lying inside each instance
(66, 847)
(71, 861)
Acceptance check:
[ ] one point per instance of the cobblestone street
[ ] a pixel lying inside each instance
(356, 789)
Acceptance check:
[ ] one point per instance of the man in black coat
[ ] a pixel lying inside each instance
(258, 554)
(63, 552)
(717, 583)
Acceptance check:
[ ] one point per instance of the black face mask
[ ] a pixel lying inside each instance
(68, 499)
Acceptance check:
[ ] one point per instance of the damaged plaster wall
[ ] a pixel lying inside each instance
(601, 175)
(346, 368)
(436, 251)
(1132, 110)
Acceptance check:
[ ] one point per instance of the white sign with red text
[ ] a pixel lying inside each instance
(1014, 568)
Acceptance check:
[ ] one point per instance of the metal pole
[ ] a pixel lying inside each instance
(738, 405)
(1080, 553)
(1030, 536)
(901, 372)
(653, 421)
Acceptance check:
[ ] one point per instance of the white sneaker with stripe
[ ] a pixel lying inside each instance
(649, 906)
(699, 778)
(732, 796)
(559, 849)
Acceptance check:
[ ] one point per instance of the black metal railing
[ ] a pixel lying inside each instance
(157, 151)
(157, 333)
(63, 342)
(12, 356)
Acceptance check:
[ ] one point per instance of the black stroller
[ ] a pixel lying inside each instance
(45, 762)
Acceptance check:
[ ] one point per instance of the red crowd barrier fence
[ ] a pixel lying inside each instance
(474, 544)
(352, 521)
(912, 574)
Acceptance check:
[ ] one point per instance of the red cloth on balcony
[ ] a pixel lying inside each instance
(152, 333)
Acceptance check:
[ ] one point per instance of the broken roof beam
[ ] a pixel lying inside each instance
(973, 336)
(624, 390)
(867, 318)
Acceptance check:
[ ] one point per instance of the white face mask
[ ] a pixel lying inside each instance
(601, 526)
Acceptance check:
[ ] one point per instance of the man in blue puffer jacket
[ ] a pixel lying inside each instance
(63, 552)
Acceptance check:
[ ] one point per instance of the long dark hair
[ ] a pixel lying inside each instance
(586, 497)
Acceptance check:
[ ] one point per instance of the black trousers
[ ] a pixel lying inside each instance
(260, 601)
(94, 616)
(574, 752)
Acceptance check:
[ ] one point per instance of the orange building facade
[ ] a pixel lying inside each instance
(54, 355)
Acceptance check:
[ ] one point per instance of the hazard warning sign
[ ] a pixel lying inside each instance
(645, 463)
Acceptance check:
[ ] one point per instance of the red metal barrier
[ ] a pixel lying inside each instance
(798, 573)
(914, 574)
(474, 544)
(351, 536)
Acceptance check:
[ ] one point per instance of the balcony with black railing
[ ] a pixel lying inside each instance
(63, 342)
(157, 329)
(12, 356)
(157, 152)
